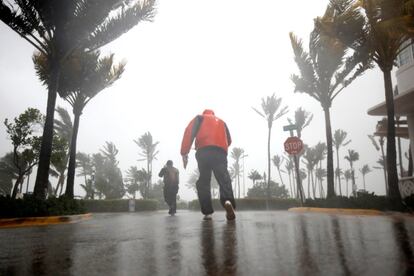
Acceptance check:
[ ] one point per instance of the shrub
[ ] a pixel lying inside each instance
(33, 207)
(363, 201)
(119, 205)
(252, 204)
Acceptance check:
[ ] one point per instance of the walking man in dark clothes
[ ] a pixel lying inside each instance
(212, 139)
(171, 181)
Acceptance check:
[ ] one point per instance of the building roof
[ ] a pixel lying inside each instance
(403, 103)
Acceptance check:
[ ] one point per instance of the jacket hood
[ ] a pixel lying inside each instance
(208, 112)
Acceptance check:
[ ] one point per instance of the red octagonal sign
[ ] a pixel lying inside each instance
(293, 145)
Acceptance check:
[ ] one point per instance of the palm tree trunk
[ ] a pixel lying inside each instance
(347, 193)
(42, 176)
(393, 189)
(28, 180)
(16, 186)
(339, 174)
(400, 160)
(238, 184)
(268, 162)
(353, 177)
(70, 183)
(313, 185)
(309, 194)
(384, 165)
(329, 161)
(363, 179)
(410, 162)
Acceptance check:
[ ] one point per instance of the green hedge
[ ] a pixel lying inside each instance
(32, 207)
(367, 201)
(119, 205)
(252, 204)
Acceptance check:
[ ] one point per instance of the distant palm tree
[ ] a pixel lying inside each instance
(56, 30)
(237, 154)
(320, 174)
(348, 176)
(320, 155)
(339, 141)
(378, 29)
(254, 175)
(289, 166)
(192, 183)
(277, 161)
(63, 128)
(364, 171)
(324, 72)
(351, 158)
(382, 163)
(310, 161)
(149, 152)
(84, 162)
(270, 112)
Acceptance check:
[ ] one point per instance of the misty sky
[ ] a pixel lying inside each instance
(222, 55)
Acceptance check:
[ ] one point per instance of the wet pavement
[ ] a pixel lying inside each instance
(257, 243)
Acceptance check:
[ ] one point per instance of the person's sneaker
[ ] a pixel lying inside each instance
(230, 215)
(208, 217)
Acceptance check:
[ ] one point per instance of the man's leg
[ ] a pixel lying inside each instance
(203, 185)
(167, 199)
(223, 178)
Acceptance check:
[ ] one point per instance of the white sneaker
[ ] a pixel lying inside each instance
(230, 215)
(208, 217)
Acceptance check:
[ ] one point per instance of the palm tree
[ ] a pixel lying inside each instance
(339, 141)
(352, 157)
(324, 72)
(134, 178)
(302, 120)
(348, 176)
(320, 174)
(364, 171)
(383, 157)
(378, 29)
(277, 161)
(149, 152)
(270, 112)
(254, 175)
(84, 75)
(57, 30)
(236, 154)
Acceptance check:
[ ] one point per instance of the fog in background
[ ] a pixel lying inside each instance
(221, 55)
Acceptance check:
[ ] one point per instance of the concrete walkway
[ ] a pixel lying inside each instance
(258, 243)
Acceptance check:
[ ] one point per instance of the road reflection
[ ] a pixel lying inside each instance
(211, 261)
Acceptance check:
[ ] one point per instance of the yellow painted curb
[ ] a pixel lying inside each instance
(339, 211)
(36, 221)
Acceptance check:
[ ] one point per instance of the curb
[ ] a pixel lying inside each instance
(339, 211)
(38, 221)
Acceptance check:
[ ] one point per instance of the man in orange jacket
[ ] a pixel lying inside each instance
(212, 139)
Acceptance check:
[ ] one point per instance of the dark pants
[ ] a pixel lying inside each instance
(213, 159)
(170, 197)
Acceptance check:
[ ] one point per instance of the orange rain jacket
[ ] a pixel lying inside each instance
(207, 130)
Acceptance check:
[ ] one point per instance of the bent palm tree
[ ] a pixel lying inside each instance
(339, 141)
(324, 72)
(378, 29)
(56, 29)
(364, 171)
(270, 112)
(84, 75)
(149, 152)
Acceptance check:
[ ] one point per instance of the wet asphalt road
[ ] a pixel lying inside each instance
(258, 243)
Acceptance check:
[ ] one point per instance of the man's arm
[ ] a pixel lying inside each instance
(162, 172)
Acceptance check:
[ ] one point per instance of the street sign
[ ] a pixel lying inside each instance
(293, 145)
(290, 127)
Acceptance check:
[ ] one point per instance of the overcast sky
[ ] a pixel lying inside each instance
(222, 55)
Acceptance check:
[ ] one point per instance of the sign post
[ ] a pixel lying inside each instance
(293, 146)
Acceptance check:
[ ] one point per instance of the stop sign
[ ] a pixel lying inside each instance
(293, 145)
